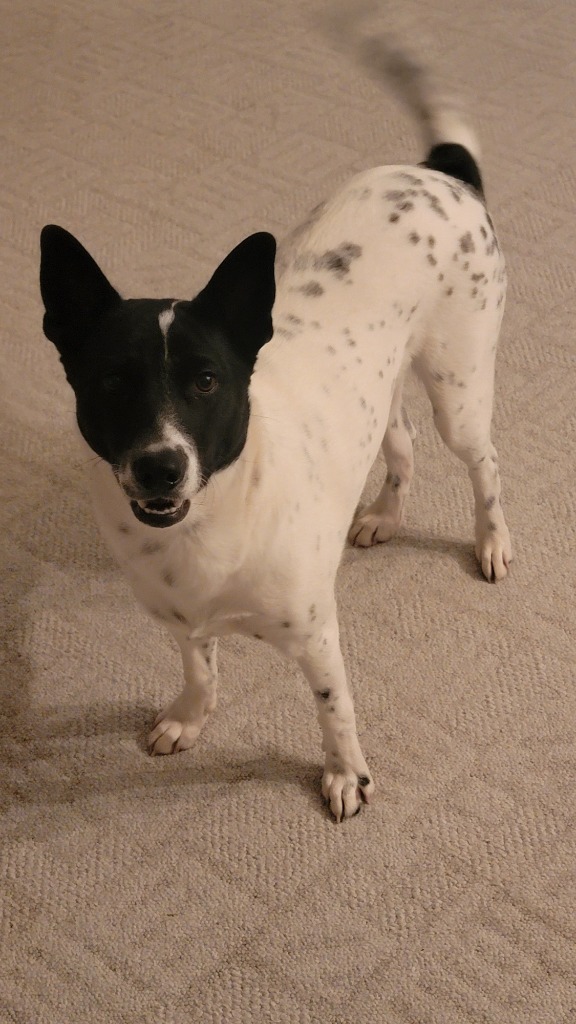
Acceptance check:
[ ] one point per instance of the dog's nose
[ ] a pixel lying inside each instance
(160, 472)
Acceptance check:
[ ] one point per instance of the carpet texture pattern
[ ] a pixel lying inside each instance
(213, 886)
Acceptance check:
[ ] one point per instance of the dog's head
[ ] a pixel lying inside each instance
(161, 386)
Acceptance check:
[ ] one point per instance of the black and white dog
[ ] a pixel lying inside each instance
(235, 430)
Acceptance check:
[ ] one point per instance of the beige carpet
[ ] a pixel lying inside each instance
(212, 887)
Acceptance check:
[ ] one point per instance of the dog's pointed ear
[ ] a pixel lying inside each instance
(74, 290)
(240, 295)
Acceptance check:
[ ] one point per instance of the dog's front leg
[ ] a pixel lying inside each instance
(346, 781)
(179, 724)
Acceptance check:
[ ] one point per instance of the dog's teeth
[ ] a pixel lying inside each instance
(158, 511)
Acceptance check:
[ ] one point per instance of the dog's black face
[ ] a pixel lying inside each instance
(161, 386)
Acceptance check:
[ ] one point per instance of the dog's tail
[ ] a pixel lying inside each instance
(451, 143)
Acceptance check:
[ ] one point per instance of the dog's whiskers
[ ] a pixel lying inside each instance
(92, 461)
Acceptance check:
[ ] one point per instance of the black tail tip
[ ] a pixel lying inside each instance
(453, 159)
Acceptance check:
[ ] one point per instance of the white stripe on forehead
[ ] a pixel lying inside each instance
(165, 321)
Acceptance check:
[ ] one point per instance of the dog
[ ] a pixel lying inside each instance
(231, 434)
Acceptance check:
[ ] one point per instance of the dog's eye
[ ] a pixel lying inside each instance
(205, 383)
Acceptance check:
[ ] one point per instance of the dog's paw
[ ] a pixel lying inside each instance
(494, 552)
(345, 791)
(372, 528)
(175, 728)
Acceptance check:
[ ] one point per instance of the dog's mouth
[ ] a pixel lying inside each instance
(160, 512)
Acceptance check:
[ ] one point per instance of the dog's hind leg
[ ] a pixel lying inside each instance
(462, 406)
(179, 724)
(381, 520)
(346, 781)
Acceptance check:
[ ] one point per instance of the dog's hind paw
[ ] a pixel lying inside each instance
(175, 729)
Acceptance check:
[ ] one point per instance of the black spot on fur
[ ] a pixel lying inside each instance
(151, 547)
(467, 244)
(312, 288)
(337, 261)
(435, 204)
(411, 178)
(414, 237)
(324, 694)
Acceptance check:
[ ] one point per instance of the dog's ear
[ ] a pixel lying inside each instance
(240, 295)
(74, 290)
